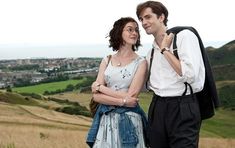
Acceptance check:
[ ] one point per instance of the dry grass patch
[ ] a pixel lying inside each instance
(19, 114)
(220, 84)
(82, 98)
(27, 127)
(37, 137)
(216, 143)
(52, 115)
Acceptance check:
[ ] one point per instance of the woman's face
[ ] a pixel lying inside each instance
(130, 33)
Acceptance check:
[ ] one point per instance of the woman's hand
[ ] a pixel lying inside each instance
(131, 102)
(95, 87)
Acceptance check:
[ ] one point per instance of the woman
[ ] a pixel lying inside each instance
(119, 121)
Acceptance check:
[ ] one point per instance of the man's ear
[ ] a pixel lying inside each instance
(162, 17)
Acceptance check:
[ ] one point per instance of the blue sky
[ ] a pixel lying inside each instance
(73, 28)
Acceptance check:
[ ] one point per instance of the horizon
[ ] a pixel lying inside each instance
(34, 51)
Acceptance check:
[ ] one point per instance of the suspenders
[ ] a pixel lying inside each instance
(176, 55)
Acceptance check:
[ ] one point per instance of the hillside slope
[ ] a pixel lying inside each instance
(223, 66)
(30, 126)
(222, 56)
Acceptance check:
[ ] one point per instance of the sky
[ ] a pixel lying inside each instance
(76, 28)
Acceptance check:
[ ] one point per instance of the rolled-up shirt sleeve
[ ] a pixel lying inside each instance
(189, 54)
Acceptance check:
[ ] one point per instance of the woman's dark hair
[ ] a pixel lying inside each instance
(115, 34)
(157, 8)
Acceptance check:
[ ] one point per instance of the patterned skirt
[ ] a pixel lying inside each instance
(108, 133)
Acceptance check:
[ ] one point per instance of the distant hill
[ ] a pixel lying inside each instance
(223, 61)
(223, 66)
(223, 55)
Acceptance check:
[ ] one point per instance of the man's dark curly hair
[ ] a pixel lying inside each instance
(115, 34)
(157, 7)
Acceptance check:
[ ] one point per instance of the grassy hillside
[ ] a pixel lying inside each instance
(226, 91)
(223, 66)
(48, 128)
(223, 61)
(27, 126)
(223, 120)
(221, 125)
(223, 55)
(222, 117)
(14, 98)
(224, 72)
(65, 106)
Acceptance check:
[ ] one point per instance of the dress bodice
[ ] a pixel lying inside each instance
(120, 78)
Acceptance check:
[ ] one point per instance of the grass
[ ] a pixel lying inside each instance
(221, 125)
(8, 145)
(15, 98)
(145, 99)
(47, 128)
(27, 127)
(41, 88)
(82, 98)
(220, 84)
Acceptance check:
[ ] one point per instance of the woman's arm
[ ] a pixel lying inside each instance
(99, 84)
(108, 91)
(100, 76)
(108, 96)
(109, 100)
(134, 89)
(138, 80)
(103, 94)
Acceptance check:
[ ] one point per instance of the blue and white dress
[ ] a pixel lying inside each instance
(118, 78)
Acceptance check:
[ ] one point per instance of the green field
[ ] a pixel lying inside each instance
(221, 125)
(41, 88)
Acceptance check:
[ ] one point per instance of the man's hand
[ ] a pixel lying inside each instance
(167, 39)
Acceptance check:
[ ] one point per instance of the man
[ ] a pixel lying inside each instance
(174, 116)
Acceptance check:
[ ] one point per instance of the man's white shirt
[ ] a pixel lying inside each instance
(164, 81)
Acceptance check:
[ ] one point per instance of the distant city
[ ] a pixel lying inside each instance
(25, 72)
(30, 51)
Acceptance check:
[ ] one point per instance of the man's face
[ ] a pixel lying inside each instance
(150, 21)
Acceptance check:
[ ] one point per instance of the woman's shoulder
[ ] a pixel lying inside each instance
(107, 58)
(140, 59)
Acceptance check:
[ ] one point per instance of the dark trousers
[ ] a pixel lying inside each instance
(174, 122)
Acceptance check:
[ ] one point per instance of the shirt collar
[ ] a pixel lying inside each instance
(155, 46)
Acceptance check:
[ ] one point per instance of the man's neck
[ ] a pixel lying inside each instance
(159, 36)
